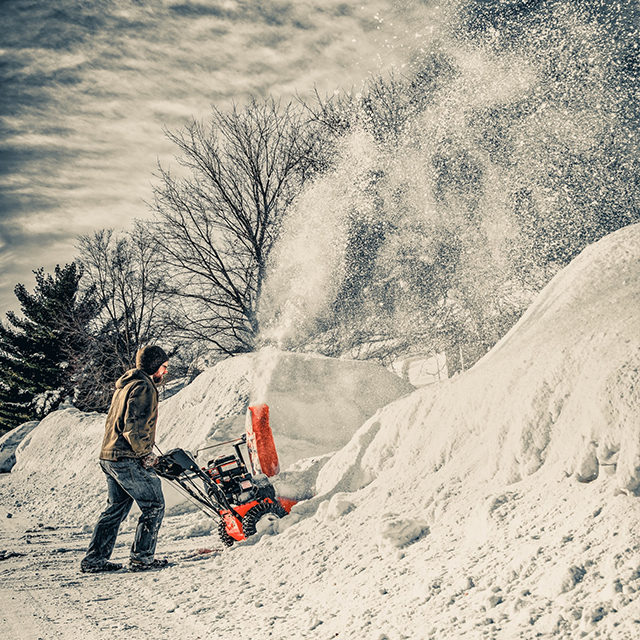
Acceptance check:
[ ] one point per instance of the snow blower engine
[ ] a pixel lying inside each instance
(224, 489)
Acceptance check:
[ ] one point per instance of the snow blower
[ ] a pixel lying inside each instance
(241, 501)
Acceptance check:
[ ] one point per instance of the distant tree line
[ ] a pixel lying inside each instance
(436, 259)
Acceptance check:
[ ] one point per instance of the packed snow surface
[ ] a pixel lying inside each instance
(501, 503)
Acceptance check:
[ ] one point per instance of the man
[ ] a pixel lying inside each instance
(127, 459)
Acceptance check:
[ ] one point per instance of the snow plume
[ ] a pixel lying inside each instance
(308, 263)
(514, 147)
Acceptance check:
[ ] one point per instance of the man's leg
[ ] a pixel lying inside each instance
(151, 503)
(106, 530)
(145, 487)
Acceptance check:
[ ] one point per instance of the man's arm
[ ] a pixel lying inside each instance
(137, 429)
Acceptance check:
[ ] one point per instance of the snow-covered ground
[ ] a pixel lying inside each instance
(498, 504)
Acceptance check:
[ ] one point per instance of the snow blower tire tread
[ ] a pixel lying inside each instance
(252, 517)
(227, 540)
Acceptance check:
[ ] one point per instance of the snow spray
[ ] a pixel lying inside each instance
(518, 150)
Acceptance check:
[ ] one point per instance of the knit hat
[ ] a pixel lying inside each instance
(150, 358)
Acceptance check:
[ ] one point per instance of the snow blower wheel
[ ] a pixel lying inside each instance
(258, 517)
(227, 540)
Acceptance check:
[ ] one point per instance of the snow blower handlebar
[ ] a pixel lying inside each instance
(181, 469)
(236, 442)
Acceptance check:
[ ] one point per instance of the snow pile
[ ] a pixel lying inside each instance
(501, 502)
(9, 443)
(316, 405)
(561, 390)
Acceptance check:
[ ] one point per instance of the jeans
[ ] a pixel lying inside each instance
(128, 480)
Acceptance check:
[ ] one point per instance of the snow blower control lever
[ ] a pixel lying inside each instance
(225, 489)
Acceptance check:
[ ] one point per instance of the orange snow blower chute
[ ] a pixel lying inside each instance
(262, 449)
(224, 488)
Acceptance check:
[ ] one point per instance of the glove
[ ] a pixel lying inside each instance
(149, 461)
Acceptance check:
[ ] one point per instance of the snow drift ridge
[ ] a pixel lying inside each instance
(561, 389)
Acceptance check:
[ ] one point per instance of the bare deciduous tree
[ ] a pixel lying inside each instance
(129, 283)
(216, 227)
(385, 104)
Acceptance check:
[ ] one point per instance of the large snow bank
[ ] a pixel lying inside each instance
(499, 503)
(561, 389)
(316, 405)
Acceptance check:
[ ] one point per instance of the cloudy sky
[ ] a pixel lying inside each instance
(86, 88)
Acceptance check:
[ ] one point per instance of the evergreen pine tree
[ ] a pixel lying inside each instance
(35, 348)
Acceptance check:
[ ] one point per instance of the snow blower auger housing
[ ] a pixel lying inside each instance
(224, 489)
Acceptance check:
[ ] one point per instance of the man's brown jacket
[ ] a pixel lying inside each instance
(130, 430)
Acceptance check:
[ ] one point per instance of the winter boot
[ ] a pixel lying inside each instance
(158, 563)
(86, 567)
